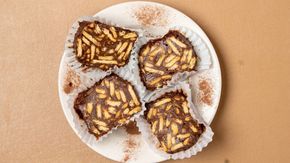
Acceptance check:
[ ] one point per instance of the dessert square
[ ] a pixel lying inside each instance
(108, 104)
(172, 123)
(161, 58)
(103, 46)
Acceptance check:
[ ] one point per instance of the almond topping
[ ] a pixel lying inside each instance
(163, 101)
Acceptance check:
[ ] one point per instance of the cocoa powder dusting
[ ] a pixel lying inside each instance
(132, 129)
(71, 81)
(151, 16)
(130, 147)
(205, 94)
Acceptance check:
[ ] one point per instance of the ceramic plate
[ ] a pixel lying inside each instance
(154, 19)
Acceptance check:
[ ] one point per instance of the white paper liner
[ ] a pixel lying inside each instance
(69, 52)
(151, 139)
(203, 57)
(79, 124)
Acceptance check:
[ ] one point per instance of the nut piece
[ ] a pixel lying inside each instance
(174, 128)
(89, 107)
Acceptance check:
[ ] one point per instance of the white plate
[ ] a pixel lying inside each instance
(121, 146)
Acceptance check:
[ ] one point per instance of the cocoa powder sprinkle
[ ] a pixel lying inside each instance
(71, 81)
(150, 16)
(206, 91)
(130, 147)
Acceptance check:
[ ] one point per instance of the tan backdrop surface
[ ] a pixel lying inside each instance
(251, 38)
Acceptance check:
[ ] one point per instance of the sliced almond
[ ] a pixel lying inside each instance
(145, 51)
(155, 51)
(189, 55)
(174, 128)
(178, 121)
(107, 32)
(118, 114)
(168, 107)
(149, 115)
(86, 41)
(98, 29)
(107, 83)
(130, 35)
(108, 58)
(128, 50)
(135, 110)
(112, 110)
(126, 111)
(163, 146)
(154, 125)
(102, 128)
(100, 123)
(113, 103)
(110, 62)
(162, 101)
(184, 56)
(172, 62)
(79, 48)
(194, 129)
(161, 123)
(177, 42)
(89, 107)
(118, 46)
(123, 47)
(187, 119)
(169, 58)
(121, 56)
(113, 30)
(133, 95)
(183, 67)
(154, 112)
(176, 146)
(125, 105)
(123, 96)
(96, 131)
(174, 49)
(90, 37)
(102, 96)
(93, 51)
(99, 111)
(112, 89)
(186, 141)
(177, 110)
(121, 121)
(151, 70)
(101, 91)
(173, 141)
(168, 139)
(167, 123)
(160, 59)
(185, 107)
(118, 95)
(183, 136)
(192, 63)
(106, 114)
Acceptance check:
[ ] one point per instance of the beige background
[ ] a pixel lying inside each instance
(251, 38)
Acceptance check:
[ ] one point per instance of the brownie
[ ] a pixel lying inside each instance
(103, 46)
(107, 104)
(172, 123)
(161, 58)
